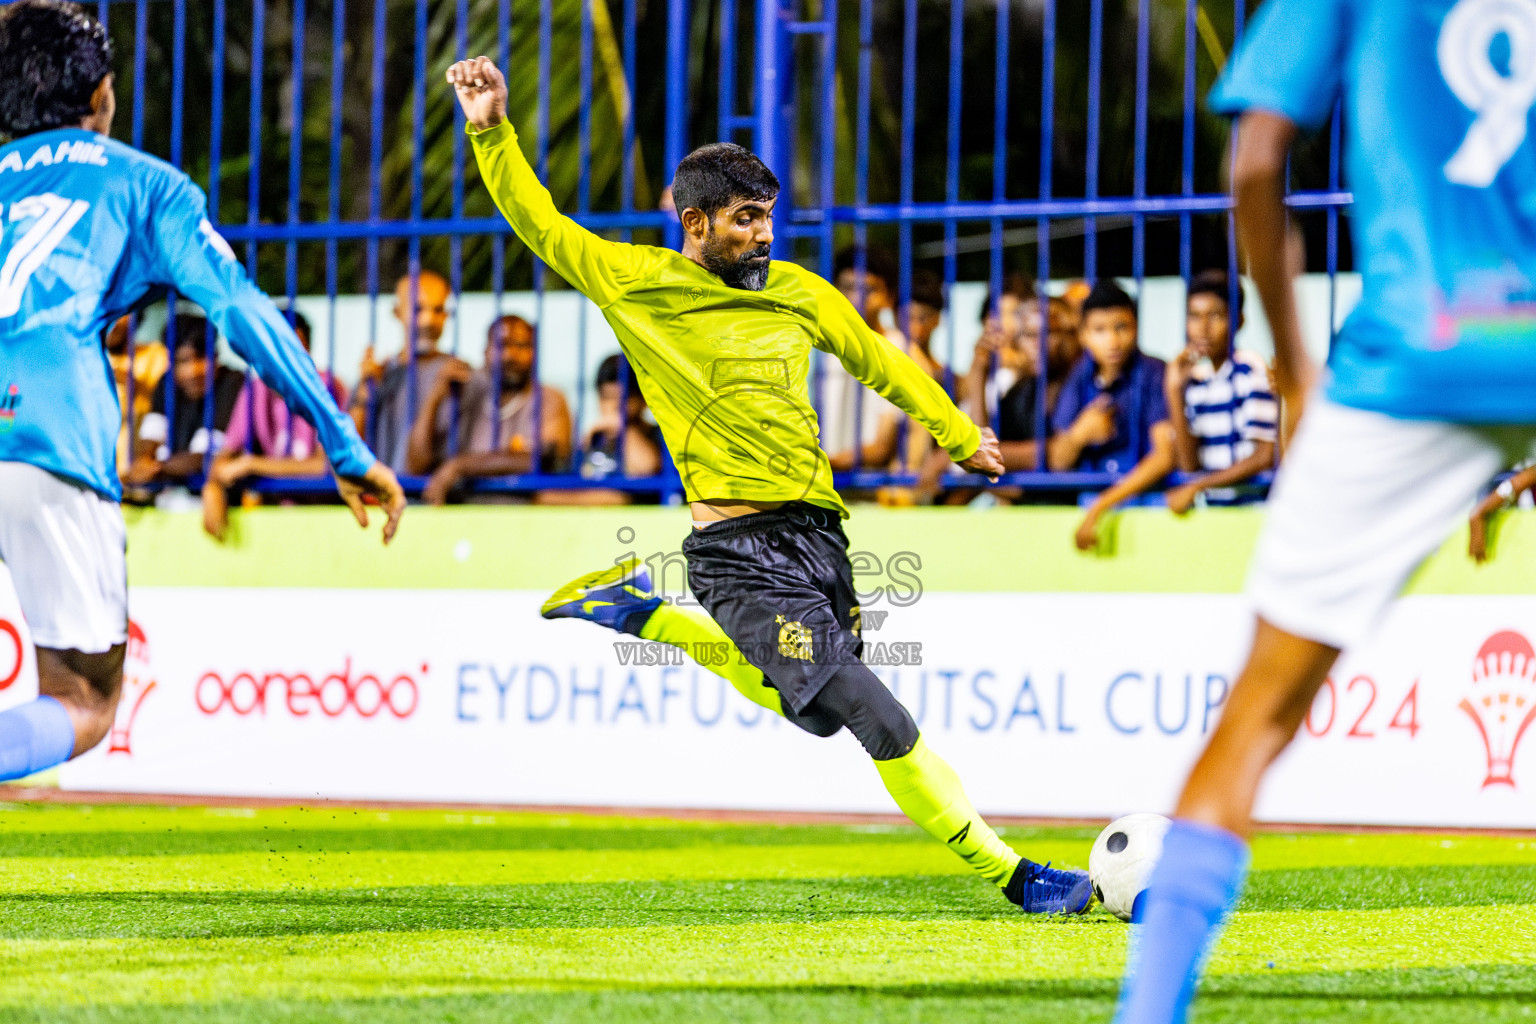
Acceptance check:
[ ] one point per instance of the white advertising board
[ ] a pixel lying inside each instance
(1047, 704)
(18, 659)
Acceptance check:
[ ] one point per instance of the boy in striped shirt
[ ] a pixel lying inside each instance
(1224, 415)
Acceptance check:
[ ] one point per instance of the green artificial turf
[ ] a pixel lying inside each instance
(176, 914)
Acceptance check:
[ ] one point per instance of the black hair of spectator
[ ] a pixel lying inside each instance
(191, 332)
(928, 288)
(608, 373)
(299, 321)
(1015, 284)
(713, 177)
(877, 263)
(1217, 283)
(1108, 295)
(52, 58)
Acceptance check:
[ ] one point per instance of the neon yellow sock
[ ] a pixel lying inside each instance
(702, 639)
(928, 791)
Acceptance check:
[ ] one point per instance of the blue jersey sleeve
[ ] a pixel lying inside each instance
(1290, 62)
(200, 263)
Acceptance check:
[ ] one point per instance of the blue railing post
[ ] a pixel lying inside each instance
(675, 146)
(770, 133)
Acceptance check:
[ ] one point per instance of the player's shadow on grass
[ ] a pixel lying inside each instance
(1387, 888)
(469, 907)
(1463, 996)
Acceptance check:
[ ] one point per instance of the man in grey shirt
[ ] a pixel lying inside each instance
(387, 399)
(491, 427)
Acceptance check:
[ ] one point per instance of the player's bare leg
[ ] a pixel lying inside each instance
(1267, 706)
(1205, 854)
(76, 702)
(88, 685)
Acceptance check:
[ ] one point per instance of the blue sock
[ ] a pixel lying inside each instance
(33, 737)
(1198, 878)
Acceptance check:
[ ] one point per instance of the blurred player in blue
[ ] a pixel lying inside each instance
(1428, 392)
(1427, 395)
(89, 230)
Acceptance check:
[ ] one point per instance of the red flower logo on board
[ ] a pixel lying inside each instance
(1502, 701)
(138, 680)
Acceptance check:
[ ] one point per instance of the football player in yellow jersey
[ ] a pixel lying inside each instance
(720, 338)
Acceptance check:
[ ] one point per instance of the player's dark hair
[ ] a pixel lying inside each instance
(52, 58)
(1108, 295)
(1217, 283)
(928, 288)
(1015, 284)
(713, 177)
(608, 373)
(877, 263)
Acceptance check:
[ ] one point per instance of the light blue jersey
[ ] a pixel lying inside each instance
(1437, 98)
(89, 229)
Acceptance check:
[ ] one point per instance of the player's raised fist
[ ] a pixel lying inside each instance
(482, 91)
(988, 458)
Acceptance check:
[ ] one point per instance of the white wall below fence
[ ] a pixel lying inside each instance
(1047, 704)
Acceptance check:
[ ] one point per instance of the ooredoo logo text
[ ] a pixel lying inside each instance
(346, 692)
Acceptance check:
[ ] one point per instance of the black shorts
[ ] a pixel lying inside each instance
(779, 583)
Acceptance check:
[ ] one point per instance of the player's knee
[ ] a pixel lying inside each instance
(891, 733)
(814, 720)
(857, 699)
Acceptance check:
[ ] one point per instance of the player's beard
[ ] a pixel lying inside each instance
(748, 271)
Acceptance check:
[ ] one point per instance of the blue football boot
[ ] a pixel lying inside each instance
(1042, 889)
(618, 597)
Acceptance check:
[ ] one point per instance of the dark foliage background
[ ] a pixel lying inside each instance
(353, 197)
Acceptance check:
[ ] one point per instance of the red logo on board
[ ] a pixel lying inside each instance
(13, 656)
(1502, 703)
(138, 680)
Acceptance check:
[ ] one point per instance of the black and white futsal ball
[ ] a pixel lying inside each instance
(1122, 859)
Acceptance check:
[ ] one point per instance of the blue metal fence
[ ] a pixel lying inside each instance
(800, 81)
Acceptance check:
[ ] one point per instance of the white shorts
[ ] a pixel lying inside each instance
(1360, 501)
(64, 545)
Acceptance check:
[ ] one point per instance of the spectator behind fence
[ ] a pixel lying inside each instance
(488, 442)
(149, 364)
(844, 399)
(1112, 416)
(172, 452)
(265, 439)
(925, 311)
(998, 356)
(382, 406)
(1223, 413)
(1019, 335)
(644, 450)
(1017, 414)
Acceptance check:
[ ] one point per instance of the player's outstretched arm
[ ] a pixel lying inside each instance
(193, 257)
(600, 269)
(893, 375)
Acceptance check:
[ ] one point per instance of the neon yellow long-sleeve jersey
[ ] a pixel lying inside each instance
(724, 369)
